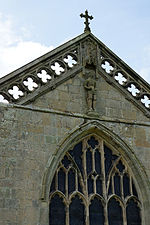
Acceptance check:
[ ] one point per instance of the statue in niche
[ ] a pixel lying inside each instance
(90, 87)
(90, 75)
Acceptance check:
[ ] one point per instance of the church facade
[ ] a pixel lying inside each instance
(75, 139)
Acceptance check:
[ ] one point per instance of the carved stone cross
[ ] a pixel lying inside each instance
(87, 17)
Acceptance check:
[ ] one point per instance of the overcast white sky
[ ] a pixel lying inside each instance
(31, 28)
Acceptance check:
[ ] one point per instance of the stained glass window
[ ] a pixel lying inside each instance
(93, 186)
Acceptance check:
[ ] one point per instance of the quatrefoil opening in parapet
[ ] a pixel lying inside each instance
(58, 67)
(108, 66)
(146, 100)
(44, 75)
(120, 77)
(133, 89)
(30, 84)
(15, 92)
(70, 59)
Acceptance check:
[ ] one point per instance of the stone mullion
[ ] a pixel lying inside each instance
(124, 216)
(67, 214)
(112, 180)
(85, 182)
(124, 208)
(76, 180)
(67, 198)
(103, 170)
(56, 181)
(87, 222)
(106, 214)
(84, 168)
(95, 184)
(131, 191)
(66, 186)
(101, 146)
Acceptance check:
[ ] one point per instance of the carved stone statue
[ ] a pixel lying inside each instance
(90, 75)
(90, 86)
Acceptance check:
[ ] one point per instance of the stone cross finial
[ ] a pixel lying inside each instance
(87, 17)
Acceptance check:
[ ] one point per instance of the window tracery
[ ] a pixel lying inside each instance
(92, 185)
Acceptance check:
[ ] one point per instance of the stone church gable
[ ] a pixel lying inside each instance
(75, 135)
(46, 73)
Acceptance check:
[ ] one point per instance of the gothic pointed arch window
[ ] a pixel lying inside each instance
(93, 186)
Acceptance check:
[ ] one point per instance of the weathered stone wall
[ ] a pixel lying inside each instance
(31, 136)
(71, 97)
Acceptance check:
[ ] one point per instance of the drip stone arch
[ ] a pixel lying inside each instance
(114, 142)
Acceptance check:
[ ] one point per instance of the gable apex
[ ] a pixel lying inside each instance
(55, 66)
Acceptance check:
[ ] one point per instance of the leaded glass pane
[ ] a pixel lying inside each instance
(71, 181)
(57, 213)
(96, 212)
(90, 185)
(133, 213)
(61, 180)
(76, 212)
(117, 184)
(126, 185)
(114, 212)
